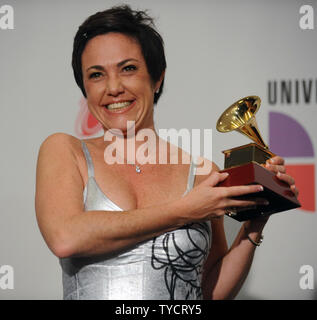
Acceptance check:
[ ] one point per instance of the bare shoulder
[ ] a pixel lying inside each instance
(59, 141)
(59, 149)
(204, 168)
(60, 145)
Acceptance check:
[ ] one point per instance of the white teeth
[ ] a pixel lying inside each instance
(119, 105)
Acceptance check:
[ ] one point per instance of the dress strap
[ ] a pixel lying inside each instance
(191, 175)
(90, 165)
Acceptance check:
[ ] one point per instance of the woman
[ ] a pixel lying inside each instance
(154, 239)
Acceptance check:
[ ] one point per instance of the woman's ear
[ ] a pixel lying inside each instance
(159, 82)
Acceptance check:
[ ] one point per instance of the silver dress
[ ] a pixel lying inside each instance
(167, 267)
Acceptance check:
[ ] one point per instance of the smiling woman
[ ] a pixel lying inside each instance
(144, 233)
(117, 85)
(136, 25)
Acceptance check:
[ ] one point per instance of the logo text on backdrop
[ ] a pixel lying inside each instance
(306, 20)
(6, 17)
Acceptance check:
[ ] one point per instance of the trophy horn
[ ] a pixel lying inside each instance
(240, 116)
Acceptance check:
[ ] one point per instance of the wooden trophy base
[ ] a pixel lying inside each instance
(278, 193)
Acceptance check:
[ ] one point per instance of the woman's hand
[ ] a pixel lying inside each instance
(209, 201)
(276, 164)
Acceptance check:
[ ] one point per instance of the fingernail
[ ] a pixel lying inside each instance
(260, 188)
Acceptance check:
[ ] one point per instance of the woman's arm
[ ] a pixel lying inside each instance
(225, 272)
(228, 273)
(70, 231)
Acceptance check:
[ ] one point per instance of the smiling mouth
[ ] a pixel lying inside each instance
(118, 105)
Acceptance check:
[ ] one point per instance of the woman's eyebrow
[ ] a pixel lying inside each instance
(98, 67)
(125, 61)
(119, 64)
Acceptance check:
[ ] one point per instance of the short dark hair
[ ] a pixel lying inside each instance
(122, 19)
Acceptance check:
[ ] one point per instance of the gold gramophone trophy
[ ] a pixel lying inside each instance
(244, 163)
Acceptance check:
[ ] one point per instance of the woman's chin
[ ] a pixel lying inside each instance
(121, 129)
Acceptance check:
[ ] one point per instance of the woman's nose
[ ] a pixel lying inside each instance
(114, 86)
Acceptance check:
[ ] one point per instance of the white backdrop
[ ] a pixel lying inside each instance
(217, 52)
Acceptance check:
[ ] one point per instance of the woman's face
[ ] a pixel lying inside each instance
(117, 83)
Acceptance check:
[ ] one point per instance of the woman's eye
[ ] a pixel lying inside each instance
(95, 75)
(129, 68)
